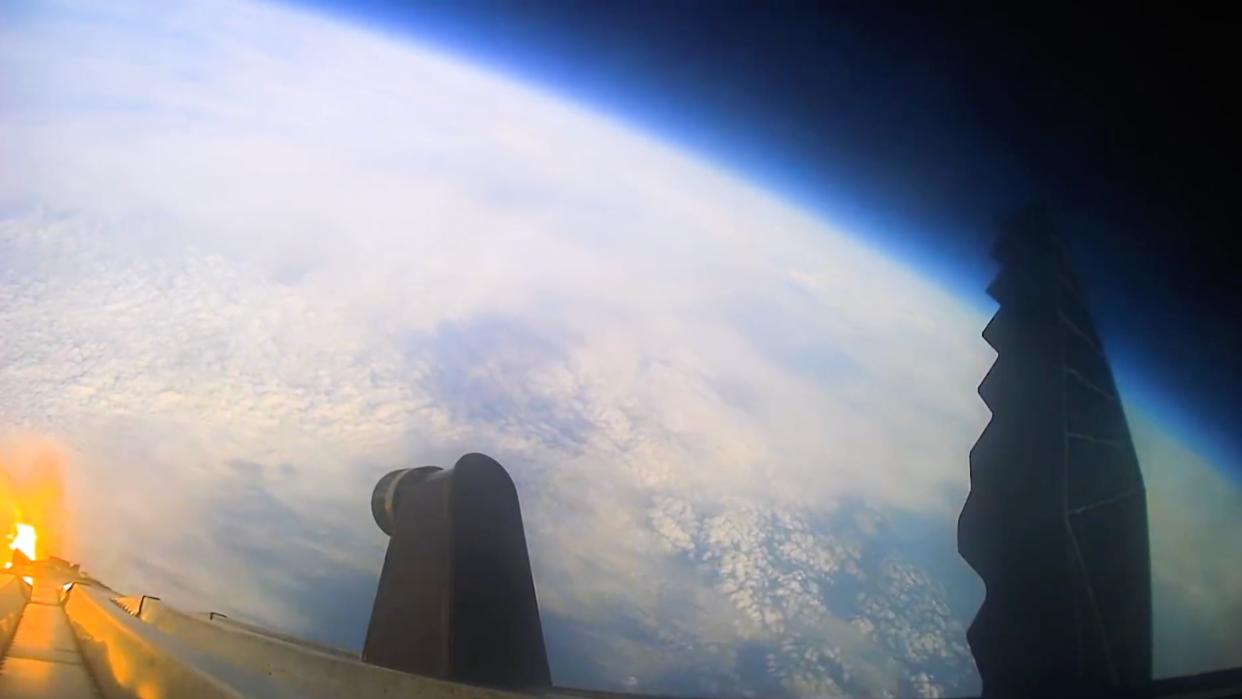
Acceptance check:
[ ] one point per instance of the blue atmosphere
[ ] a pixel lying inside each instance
(848, 191)
(255, 255)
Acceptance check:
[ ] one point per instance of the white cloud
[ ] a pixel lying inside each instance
(250, 259)
(1193, 511)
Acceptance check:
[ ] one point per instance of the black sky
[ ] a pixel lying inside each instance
(922, 124)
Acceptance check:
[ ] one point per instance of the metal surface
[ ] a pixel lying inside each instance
(157, 652)
(13, 595)
(308, 670)
(153, 651)
(129, 660)
(456, 599)
(1056, 520)
(42, 659)
(387, 491)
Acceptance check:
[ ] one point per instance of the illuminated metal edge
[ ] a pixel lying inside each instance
(13, 596)
(164, 652)
(156, 650)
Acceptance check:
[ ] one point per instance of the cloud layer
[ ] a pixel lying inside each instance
(251, 259)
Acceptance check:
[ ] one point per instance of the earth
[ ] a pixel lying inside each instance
(252, 258)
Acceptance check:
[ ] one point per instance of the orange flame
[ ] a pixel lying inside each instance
(32, 513)
(25, 540)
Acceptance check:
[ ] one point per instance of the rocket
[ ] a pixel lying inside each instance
(455, 615)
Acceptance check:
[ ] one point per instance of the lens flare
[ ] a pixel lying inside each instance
(33, 518)
(25, 541)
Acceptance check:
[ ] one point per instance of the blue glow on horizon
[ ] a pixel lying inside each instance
(1172, 412)
(966, 279)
